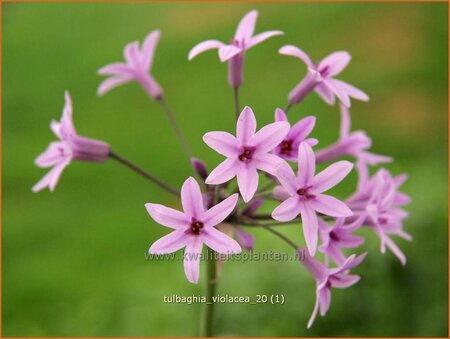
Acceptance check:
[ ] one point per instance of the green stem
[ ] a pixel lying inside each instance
(206, 322)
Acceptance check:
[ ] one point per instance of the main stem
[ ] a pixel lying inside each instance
(176, 127)
(142, 172)
(206, 322)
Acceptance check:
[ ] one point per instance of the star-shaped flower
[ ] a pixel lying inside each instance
(235, 51)
(305, 193)
(328, 278)
(193, 227)
(320, 78)
(288, 148)
(246, 153)
(138, 62)
(70, 147)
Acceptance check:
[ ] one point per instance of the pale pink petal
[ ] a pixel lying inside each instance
(302, 128)
(247, 178)
(280, 115)
(324, 300)
(51, 178)
(246, 26)
(287, 178)
(395, 249)
(287, 210)
(329, 205)
(331, 176)
(131, 54)
(204, 46)
(55, 153)
(148, 49)
(224, 172)
(280, 193)
(338, 91)
(268, 163)
(344, 280)
(335, 62)
(325, 93)
(306, 164)
(270, 136)
(351, 262)
(222, 142)
(111, 83)
(192, 259)
(218, 213)
(66, 127)
(246, 126)
(258, 38)
(296, 52)
(345, 121)
(352, 91)
(167, 216)
(314, 313)
(118, 68)
(226, 52)
(314, 266)
(310, 227)
(55, 127)
(192, 199)
(171, 242)
(220, 242)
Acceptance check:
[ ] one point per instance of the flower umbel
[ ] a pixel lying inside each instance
(70, 146)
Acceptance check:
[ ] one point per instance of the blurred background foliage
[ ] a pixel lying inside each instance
(73, 261)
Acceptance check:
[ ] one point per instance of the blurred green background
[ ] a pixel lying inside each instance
(73, 261)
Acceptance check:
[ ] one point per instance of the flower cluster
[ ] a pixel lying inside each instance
(275, 162)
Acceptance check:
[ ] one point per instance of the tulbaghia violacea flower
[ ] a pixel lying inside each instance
(70, 146)
(246, 153)
(137, 65)
(380, 202)
(193, 227)
(288, 148)
(328, 278)
(340, 235)
(353, 144)
(320, 78)
(234, 53)
(304, 193)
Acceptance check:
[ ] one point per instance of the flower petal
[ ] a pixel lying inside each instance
(246, 239)
(218, 213)
(220, 242)
(204, 46)
(324, 300)
(310, 227)
(222, 142)
(338, 91)
(224, 172)
(331, 176)
(270, 136)
(111, 83)
(335, 62)
(306, 164)
(226, 52)
(266, 162)
(148, 49)
(287, 178)
(51, 178)
(262, 37)
(246, 26)
(329, 205)
(287, 210)
(192, 199)
(344, 280)
(192, 259)
(170, 243)
(166, 216)
(280, 115)
(296, 52)
(118, 68)
(247, 178)
(325, 93)
(131, 54)
(246, 126)
(352, 91)
(302, 128)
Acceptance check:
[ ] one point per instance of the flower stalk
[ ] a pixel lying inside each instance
(207, 315)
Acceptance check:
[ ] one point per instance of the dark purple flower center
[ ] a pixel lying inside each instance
(246, 154)
(382, 220)
(328, 285)
(286, 147)
(324, 71)
(303, 192)
(196, 227)
(334, 236)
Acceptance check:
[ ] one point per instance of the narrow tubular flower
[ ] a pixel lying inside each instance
(304, 193)
(320, 78)
(328, 278)
(193, 227)
(137, 65)
(355, 144)
(288, 148)
(246, 153)
(234, 53)
(70, 146)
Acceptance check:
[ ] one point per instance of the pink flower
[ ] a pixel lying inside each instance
(246, 153)
(340, 235)
(234, 52)
(320, 78)
(193, 227)
(70, 147)
(353, 144)
(380, 202)
(288, 148)
(328, 278)
(304, 193)
(137, 66)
